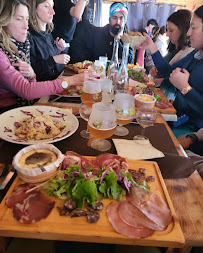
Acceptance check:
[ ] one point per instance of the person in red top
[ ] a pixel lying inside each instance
(17, 78)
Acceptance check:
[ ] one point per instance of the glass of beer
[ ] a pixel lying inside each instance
(125, 112)
(91, 92)
(85, 111)
(102, 125)
(107, 89)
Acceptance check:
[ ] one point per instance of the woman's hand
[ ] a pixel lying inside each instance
(62, 58)
(179, 78)
(148, 44)
(60, 43)
(153, 72)
(78, 80)
(25, 69)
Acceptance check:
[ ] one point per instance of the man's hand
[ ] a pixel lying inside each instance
(60, 43)
(185, 143)
(62, 58)
(179, 78)
(25, 69)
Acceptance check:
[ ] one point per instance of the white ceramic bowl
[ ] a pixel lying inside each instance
(35, 174)
(144, 101)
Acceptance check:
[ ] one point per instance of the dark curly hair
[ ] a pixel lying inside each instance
(181, 19)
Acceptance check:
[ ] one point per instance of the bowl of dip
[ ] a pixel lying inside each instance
(144, 101)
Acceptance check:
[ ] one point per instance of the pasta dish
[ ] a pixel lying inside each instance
(38, 127)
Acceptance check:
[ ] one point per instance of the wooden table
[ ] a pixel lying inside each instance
(186, 195)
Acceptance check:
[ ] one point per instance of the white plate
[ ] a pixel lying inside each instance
(7, 119)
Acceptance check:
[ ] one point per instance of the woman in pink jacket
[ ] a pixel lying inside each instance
(17, 79)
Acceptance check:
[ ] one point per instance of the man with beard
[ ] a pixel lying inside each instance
(98, 41)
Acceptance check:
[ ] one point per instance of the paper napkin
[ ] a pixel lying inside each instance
(139, 150)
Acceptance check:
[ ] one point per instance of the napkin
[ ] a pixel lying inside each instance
(139, 150)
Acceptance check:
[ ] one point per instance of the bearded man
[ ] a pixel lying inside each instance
(98, 41)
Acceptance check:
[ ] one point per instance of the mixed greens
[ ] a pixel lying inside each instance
(88, 184)
(135, 75)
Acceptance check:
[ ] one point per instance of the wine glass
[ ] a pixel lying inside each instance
(85, 110)
(145, 117)
(125, 112)
(102, 125)
(107, 89)
(91, 92)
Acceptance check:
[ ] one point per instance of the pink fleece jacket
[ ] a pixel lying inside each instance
(12, 83)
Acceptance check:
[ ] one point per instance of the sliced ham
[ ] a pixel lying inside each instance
(163, 104)
(151, 205)
(134, 217)
(74, 158)
(34, 208)
(113, 161)
(18, 194)
(123, 228)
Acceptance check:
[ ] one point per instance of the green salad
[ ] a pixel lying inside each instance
(87, 184)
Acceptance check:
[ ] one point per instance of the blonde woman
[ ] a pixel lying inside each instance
(17, 78)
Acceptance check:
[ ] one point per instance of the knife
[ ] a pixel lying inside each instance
(7, 179)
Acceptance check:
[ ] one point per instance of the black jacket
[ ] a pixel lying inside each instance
(97, 41)
(41, 55)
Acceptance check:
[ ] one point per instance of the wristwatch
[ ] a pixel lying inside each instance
(186, 89)
(64, 83)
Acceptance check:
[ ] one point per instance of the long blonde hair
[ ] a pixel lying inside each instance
(7, 12)
(33, 17)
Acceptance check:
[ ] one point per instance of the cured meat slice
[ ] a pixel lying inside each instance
(114, 161)
(19, 194)
(35, 207)
(121, 227)
(134, 217)
(163, 104)
(74, 158)
(151, 205)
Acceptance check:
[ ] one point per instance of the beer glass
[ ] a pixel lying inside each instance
(107, 89)
(125, 112)
(91, 92)
(102, 125)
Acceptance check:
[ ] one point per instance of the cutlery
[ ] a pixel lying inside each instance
(51, 101)
(7, 179)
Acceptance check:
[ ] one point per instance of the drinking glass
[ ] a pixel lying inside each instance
(125, 112)
(107, 89)
(91, 92)
(102, 125)
(145, 118)
(85, 110)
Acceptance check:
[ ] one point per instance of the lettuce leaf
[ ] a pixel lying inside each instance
(84, 190)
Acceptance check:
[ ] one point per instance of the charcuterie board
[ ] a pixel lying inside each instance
(56, 227)
(169, 110)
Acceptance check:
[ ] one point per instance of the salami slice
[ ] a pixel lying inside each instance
(123, 228)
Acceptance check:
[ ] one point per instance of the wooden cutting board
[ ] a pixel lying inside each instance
(56, 227)
(170, 110)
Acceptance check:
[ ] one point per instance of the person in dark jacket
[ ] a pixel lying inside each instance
(98, 41)
(47, 56)
(67, 14)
